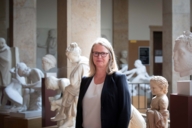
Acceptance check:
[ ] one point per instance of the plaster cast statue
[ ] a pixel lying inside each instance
(48, 62)
(140, 71)
(67, 111)
(13, 91)
(157, 115)
(5, 65)
(137, 121)
(32, 90)
(58, 84)
(51, 43)
(123, 60)
(182, 54)
(142, 78)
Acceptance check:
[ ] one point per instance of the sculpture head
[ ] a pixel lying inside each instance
(124, 54)
(51, 83)
(53, 33)
(159, 85)
(138, 63)
(23, 70)
(2, 43)
(73, 53)
(182, 54)
(112, 64)
(48, 62)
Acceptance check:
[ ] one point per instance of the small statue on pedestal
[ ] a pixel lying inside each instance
(157, 115)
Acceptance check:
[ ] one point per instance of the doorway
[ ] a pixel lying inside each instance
(157, 53)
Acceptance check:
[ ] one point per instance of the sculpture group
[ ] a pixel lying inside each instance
(66, 105)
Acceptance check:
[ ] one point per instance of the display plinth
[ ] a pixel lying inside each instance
(184, 87)
(2, 116)
(180, 111)
(46, 112)
(14, 122)
(26, 114)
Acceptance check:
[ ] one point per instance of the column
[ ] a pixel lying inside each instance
(78, 21)
(176, 19)
(120, 26)
(3, 30)
(24, 30)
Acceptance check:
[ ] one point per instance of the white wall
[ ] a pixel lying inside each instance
(46, 13)
(142, 14)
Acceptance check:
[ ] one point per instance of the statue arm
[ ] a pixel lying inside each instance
(36, 76)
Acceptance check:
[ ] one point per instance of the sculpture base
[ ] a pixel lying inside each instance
(2, 116)
(5, 110)
(184, 87)
(26, 114)
(180, 111)
(14, 122)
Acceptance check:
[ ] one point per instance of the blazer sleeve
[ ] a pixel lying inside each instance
(124, 101)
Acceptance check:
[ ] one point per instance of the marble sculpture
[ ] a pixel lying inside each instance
(182, 54)
(48, 62)
(158, 114)
(67, 110)
(5, 65)
(142, 78)
(13, 92)
(31, 90)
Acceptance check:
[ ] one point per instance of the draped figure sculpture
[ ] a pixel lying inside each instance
(67, 111)
(158, 114)
(13, 92)
(5, 65)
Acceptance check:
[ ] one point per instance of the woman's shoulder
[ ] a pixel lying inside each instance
(118, 74)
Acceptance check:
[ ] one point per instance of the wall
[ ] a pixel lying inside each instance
(141, 16)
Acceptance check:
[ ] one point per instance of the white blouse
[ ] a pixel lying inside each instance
(92, 106)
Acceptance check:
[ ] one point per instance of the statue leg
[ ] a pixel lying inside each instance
(26, 97)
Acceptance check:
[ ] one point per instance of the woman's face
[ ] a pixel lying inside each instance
(72, 57)
(100, 61)
(182, 58)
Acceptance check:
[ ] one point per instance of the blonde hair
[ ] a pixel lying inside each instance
(112, 64)
(160, 82)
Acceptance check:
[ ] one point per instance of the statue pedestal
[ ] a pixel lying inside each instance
(184, 87)
(2, 116)
(46, 112)
(14, 122)
(180, 111)
(26, 114)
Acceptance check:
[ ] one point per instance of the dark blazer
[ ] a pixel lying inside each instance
(115, 102)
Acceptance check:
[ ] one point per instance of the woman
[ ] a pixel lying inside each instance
(104, 99)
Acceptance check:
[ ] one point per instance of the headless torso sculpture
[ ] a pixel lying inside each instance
(67, 111)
